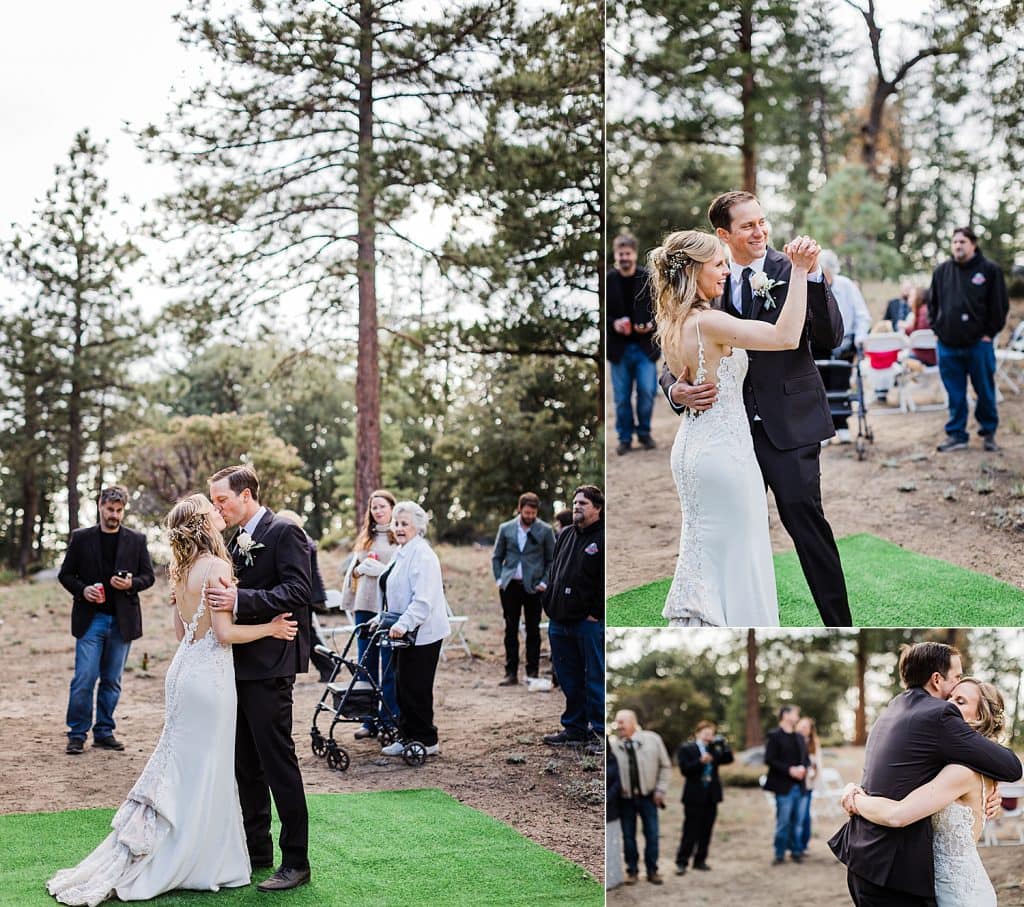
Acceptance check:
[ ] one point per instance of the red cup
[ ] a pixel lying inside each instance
(102, 593)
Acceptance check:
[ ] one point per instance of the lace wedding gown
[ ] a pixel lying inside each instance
(960, 877)
(724, 574)
(181, 826)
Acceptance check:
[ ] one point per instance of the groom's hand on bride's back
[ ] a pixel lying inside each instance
(698, 397)
(222, 597)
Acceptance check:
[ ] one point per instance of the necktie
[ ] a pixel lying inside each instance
(746, 294)
(634, 770)
(707, 771)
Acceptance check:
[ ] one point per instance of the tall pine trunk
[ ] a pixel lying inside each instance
(860, 721)
(748, 147)
(367, 472)
(75, 416)
(753, 723)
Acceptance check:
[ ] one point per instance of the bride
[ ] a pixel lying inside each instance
(181, 825)
(955, 801)
(724, 574)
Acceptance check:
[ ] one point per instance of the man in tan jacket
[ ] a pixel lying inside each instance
(644, 767)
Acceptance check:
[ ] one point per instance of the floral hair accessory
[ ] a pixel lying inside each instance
(676, 263)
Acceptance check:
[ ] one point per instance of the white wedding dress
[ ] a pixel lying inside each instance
(181, 826)
(960, 877)
(724, 574)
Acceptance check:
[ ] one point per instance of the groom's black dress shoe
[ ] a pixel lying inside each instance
(108, 743)
(284, 879)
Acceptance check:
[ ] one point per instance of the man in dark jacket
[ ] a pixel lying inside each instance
(105, 568)
(785, 753)
(574, 603)
(967, 308)
(630, 345)
(698, 761)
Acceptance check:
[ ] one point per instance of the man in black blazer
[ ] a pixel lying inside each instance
(783, 393)
(105, 568)
(698, 761)
(271, 560)
(918, 734)
(785, 753)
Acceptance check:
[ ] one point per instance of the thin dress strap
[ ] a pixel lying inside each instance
(984, 818)
(702, 372)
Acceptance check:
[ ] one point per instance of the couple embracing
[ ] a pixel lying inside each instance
(199, 815)
(737, 334)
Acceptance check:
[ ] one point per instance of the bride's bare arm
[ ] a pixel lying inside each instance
(948, 785)
(228, 632)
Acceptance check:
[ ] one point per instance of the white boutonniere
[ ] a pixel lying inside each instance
(246, 546)
(762, 285)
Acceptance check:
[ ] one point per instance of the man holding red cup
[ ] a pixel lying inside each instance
(105, 568)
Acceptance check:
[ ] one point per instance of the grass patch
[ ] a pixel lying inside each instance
(888, 587)
(387, 848)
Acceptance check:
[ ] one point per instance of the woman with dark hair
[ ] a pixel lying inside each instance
(181, 825)
(809, 731)
(374, 548)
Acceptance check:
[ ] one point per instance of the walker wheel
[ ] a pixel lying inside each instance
(319, 744)
(862, 449)
(387, 735)
(337, 759)
(415, 753)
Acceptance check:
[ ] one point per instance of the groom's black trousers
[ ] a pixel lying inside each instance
(868, 894)
(265, 764)
(794, 476)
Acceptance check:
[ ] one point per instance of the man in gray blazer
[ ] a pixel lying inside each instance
(523, 551)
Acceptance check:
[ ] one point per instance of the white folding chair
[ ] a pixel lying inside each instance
(1011, 357)
(827, 790)
(457, 637)
(882, 379)
(915, 380)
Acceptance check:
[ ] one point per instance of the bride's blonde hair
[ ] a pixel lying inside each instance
(674, 266)
(991, 720)
(191, 535)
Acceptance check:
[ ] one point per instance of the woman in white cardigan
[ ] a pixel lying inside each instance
(412, 588)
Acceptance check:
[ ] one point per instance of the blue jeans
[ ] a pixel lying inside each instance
(629, 809)
(803, 834)
(577, 657)
(101, 655)
(634, 367)
(787, 821)
(979, 362)
(378, 665)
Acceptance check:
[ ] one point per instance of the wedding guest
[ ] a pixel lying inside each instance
(967, 308)
(785, 753)
(412, 588)
(613, 825)
(856, 325)
(374, 549)
(563, 520)
(105, 568)
(631, 349)
(917, 320)
(896, 310)
(323, 664)
(698, 761)
(574, 602)
(523, 551)
(644, 768)
(807, 729)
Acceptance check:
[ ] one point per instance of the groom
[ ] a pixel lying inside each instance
(271, 561)
(783, 393)
(917, 734)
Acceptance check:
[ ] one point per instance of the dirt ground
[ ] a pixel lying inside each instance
(966, 508)
(491, 758)
(741, 853)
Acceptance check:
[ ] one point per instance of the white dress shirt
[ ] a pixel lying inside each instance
(416, 592)
(756, 267)
(250, 527)
(856, 318)
(521, 535)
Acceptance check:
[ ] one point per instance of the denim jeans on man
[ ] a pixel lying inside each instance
(101, 655)
(978, 361)
(803, 834)
(577, 657)
(787, 822)
(630, 808)
(378, 665)
(634, 368)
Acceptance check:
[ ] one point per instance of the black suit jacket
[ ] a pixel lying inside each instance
(83, 566)
(694, 790)
(776, 754)
(640, 310)
(784, 386)
(277, 582)
(910, 743)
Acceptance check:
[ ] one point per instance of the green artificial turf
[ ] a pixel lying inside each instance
(888, 587)
(394, 847)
